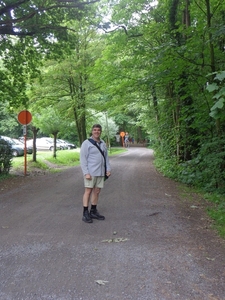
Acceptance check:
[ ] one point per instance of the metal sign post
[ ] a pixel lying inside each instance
(25, 148)
(24, 118)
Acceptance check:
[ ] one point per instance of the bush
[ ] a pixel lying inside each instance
(207, 169)
(5, 157)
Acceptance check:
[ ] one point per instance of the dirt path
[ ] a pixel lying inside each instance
(153, 245)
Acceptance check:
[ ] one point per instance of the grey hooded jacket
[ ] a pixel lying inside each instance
(92, 161)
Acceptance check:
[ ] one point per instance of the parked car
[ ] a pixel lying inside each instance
(63, 144)
(17, 150)
(29, 147)
(42, 144)
(21, 139)
(51, 140)
(69, 145)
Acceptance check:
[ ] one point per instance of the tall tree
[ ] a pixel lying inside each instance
(28, 29)
(67, 84)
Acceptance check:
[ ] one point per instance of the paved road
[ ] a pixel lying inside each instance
(153, 245)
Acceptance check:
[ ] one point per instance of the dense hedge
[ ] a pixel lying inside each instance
(5, 157)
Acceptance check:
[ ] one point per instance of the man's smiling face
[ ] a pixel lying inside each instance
(96, 132)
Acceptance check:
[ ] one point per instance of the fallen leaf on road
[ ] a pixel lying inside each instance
(116, 240)
(107, 241)
(212, 259)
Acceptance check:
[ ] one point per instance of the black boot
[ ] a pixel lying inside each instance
(94, 214)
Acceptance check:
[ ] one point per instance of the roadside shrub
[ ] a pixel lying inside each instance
(5, 157)
(207, 169)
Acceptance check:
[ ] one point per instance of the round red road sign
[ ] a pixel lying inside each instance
(24, 117)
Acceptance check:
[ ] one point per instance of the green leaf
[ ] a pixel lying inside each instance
(219, 104)
(212, 87)
(220, 76)
(214, 114)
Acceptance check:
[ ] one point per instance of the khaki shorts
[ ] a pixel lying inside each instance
(96, 181)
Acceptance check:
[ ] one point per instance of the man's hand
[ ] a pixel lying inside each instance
(88, 177)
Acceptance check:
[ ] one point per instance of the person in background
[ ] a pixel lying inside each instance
(93, 167)
(126, 140)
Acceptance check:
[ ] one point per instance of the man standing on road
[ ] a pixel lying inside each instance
(94, 167)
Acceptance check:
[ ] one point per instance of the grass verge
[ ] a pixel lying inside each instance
(46, 161)
(217, 212)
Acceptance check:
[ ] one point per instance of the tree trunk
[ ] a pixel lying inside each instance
(35, 131)
(55, 147)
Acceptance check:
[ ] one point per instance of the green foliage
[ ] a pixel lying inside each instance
(9, 126)
(42, 20)
(67, 85)
(21, 62)
(5, 157)
(30, 32)
(49, 121)
(206, 170)
(18, 164)
(45, 160)
(217, 212)
(219, 216)
(167, 166)
(66, 158)
(218, 89)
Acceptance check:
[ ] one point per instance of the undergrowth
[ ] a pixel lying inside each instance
(185, 173)
(217, 213)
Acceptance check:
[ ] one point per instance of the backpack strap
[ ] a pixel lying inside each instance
(94, 143)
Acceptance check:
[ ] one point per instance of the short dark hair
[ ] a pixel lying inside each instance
(97, 126)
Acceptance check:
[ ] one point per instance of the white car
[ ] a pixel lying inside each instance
(51, 140)
(68, 145)
(64, 145)
(43, 144)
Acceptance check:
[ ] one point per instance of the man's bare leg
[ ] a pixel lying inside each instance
(86, 199)
(94, 201)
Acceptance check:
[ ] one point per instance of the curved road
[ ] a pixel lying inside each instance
(154, 244)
